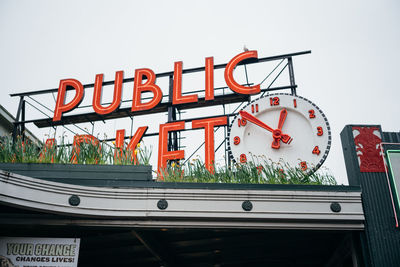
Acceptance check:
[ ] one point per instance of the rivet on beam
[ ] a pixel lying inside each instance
(247, 205)
(162, 204)
(74, 200)
(335, 207)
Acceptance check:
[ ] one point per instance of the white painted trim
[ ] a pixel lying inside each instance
(197, 208)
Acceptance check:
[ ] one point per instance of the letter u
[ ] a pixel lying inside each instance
(97, 94)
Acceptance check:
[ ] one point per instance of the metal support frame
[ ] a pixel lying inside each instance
(19, 128)
(165, 74)
(291, 76)
(174, 137)
(155, 247)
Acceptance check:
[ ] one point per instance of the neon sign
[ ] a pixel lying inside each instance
(150, 86)
(145, 81)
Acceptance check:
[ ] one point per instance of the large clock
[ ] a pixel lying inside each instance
(281, 127)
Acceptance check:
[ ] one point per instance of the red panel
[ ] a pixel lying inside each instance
(368, 149)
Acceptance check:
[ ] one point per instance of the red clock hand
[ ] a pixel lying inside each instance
(286, 138)
(275, 144)
(282, 118)
(247, 116)
(277, 134)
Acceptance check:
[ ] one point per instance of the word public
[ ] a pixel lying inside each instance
(145, 82)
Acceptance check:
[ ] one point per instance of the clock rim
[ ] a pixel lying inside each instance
(328, 147)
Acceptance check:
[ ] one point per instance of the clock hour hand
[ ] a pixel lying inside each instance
(277, 134)
(247, 116)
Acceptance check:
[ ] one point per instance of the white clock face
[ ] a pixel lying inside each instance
(281, 127)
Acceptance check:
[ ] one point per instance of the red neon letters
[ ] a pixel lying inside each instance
(177, 97)
(136, 138)
(208, 125)
(78, 140)
(209, 88)
(49, 148)
(163, 153)
(144, 82)
(148, 86)
(98, 84)
(230, 81)
(61, 107)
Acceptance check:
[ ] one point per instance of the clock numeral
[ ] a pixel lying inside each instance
(295, 103)
(316, 150)
(312, 115)
(254, 108)
(274, 101)
(243, 158)
(303, 165)
(320, 132)
(242, 122)
(236, 140)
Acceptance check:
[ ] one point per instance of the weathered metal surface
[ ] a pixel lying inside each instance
(193, 208)
(382, 246)
(91, 175)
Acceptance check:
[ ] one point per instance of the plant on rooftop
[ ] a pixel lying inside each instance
(262, 172)
(258, 171)
(26, 151)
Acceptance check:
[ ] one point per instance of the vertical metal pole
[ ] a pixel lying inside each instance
(245, 71)
(174, 134)
(22, 133)
(55, 131)
(227, 158)
(179, 133)
(291, 76)
(171, 84)
(93, 127)
(16, 124)
(225, 138)
(172, 137)
(131, 125)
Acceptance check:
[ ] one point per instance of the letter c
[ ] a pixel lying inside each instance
(230, 81)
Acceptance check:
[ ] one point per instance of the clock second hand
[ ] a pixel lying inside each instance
(276, 134)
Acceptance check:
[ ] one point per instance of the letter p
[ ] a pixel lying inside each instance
(61, 107)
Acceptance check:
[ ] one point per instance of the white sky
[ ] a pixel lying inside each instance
(352, 73)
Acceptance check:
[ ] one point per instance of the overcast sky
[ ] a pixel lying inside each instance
(351, 74)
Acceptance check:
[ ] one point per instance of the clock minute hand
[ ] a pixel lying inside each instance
(277, 134)
(282, 118)
(247, 116)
